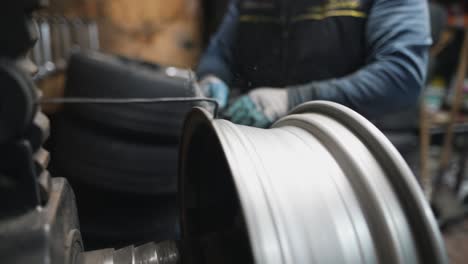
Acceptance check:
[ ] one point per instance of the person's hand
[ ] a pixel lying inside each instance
(215, 88)
(260, 108)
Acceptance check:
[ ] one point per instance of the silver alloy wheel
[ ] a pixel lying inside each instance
(323, 185)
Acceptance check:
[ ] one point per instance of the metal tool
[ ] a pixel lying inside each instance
(65, 36)
(58, 37)
(36, 53)
(93, 33)
(79, 37)
(46, 47)
(150, 253)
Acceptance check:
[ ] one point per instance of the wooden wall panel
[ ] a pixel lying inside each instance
(162, 31)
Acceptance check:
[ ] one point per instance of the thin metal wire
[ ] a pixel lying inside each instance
(86, 100)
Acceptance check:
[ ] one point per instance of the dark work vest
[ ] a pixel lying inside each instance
(289, 42)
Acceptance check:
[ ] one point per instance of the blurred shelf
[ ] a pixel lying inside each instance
(440, 120)
(458, 21)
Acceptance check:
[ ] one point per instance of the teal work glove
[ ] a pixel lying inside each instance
(215, 88)
(260, 108)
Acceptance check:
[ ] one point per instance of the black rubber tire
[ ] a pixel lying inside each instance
(139, 62)
(111, 163)
(96, 75)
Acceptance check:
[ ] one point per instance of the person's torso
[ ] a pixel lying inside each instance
(288, 42)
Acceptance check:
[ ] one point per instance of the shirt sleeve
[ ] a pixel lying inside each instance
(218, 58)
(398, 40)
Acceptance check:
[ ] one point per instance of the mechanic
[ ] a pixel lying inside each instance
(370, 55)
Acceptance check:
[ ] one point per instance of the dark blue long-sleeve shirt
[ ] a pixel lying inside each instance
(397, 39)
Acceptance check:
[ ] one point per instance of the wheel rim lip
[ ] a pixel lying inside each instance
(411, 197)
(198, 117)
(386, 223)
(433, 251)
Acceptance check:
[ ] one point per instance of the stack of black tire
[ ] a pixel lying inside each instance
(121, 159)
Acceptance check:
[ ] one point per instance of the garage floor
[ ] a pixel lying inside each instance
(456, 239)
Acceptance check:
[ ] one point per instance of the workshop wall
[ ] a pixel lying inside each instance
(166, 32)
